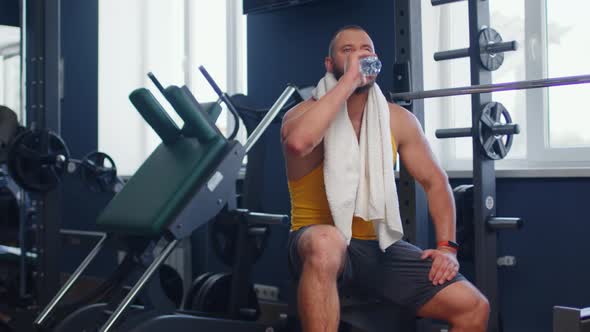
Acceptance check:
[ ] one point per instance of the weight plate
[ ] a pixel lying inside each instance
(494, 146)
(194, 290)
(215, 295)
(224, 237)
(36, 166)
(98, 171)
(490, 61)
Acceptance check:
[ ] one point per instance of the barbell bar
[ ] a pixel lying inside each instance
(486, 88)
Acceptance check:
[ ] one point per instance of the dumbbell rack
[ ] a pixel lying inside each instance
(484, 52)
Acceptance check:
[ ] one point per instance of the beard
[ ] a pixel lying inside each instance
(339, 72)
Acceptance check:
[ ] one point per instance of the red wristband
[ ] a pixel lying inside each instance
(448, 244)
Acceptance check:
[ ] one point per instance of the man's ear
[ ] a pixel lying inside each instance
(329, 63)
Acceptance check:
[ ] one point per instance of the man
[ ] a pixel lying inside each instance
(426, 281)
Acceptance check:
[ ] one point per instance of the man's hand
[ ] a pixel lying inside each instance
(444, 265)
(352, 68)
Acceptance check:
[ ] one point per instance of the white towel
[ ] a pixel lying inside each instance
(359, 175)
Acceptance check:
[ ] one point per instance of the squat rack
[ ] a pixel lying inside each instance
(484, 51)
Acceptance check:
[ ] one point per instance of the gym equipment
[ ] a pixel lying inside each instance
(463, 196)
(495, 131)
(224, 235)
(491, 131)
(99, 172)
(567, 319)
(487, 88)
(214, 297)
(190, 178)
(189, 299)
(492, 50)
(37, 159)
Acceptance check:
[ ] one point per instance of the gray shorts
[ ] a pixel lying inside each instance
(398, 275)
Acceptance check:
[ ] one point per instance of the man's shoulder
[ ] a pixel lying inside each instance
(399, 114)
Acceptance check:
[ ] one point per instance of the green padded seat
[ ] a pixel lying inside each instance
(160, 187)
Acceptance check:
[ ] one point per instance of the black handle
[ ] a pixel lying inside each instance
(464, 52)
(501, 47)
(453, 133)
(506, 129)
(225, 98)
(499, 223)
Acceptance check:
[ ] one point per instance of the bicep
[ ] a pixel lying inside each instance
(417, 156)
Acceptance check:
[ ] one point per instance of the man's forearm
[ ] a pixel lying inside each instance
(442, 211)
(311, 125)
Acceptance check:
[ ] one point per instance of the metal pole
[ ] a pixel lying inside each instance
(73, 278)
(486, 88)
(139, 285)
(82, 233)
(442, 2)
(272, 113)
(484, 173)
(464, 52)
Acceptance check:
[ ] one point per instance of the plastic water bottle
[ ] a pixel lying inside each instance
(370, 66)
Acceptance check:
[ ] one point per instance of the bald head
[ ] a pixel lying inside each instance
(337, 35)
(347, 41)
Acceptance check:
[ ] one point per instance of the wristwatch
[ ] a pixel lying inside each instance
(448, 244)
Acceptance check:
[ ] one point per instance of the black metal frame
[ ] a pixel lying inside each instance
(44, 81)
(413, 201)
(408, 77)
(484, 173)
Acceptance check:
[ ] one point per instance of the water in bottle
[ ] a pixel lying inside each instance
(370, 66)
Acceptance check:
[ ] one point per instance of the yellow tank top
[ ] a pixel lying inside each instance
(309, 204)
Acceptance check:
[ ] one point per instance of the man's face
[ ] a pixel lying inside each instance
(349, 42)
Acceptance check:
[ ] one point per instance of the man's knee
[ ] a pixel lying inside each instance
(480, 314)
(323, 249)
(481, 310)
(477, 316)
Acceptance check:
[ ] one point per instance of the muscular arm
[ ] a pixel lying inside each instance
(304, 127)
(419, 160)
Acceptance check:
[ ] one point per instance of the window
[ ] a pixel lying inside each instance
(187, 34)
(10, 70)
(548, 33)
(567, 38)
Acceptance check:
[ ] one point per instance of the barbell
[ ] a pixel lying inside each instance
(486, 88)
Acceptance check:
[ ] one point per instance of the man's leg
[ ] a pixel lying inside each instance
(405, 281)
(461, 305)
(322, 251)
